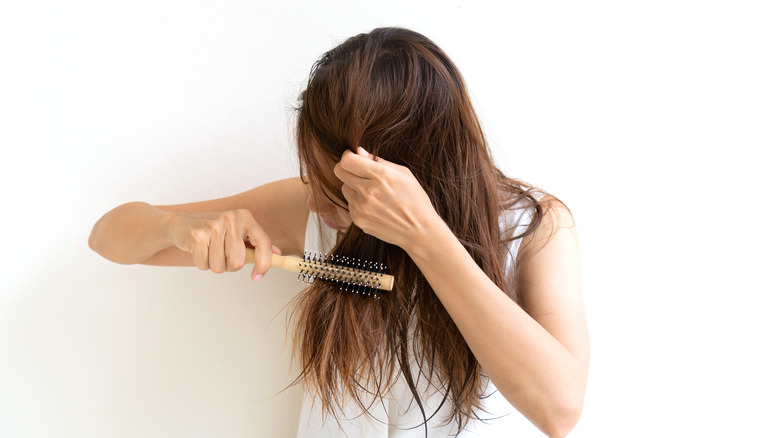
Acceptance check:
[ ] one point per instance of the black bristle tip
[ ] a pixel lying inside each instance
(342, 271)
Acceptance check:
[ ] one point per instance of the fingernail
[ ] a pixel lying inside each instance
(257, 277)
(362, 151)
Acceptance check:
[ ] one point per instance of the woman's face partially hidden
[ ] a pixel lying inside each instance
(332, 215)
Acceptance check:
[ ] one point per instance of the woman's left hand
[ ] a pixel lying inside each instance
(385, 199)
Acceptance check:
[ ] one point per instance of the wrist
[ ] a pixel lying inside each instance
(170, 222)
(426, 244)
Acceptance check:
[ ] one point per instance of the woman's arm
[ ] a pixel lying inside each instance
(536, 356)
(209, 234)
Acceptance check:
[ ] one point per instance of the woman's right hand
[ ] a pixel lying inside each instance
(217, 241)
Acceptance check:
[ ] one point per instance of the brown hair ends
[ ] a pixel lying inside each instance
(397, 94)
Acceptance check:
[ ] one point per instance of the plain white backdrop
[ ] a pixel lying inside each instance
(655, 122)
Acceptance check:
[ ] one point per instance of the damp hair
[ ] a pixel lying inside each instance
(399, 96)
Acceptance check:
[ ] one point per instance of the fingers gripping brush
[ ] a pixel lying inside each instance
(352, 274)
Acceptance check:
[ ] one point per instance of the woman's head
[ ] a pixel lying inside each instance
(396, 94)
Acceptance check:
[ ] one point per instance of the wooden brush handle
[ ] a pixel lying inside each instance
(295, 264)
(288, 263)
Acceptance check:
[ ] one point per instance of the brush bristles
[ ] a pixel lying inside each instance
(354, 275)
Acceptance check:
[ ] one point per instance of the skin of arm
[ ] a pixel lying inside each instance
(536, 355)
(173, 235)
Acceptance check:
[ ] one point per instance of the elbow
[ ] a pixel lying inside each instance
(94, 238)
(561, 427)
(560, 408)
(97, 241)
(560, 422)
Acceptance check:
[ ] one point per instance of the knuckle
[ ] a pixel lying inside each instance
(213, 225)
(229, 216)
(242, 213)
(236, 263)
(371, 194)
(200, 237)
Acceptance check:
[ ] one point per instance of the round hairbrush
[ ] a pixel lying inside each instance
(352, 274)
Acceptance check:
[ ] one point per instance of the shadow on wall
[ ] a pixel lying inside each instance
(92, 348)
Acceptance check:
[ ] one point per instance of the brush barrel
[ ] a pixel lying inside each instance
(338, 273)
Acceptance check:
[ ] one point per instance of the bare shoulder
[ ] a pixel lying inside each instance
(552, 249)
(556, 219)
(279, 207)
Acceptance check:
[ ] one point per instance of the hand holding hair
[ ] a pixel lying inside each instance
(385, 199)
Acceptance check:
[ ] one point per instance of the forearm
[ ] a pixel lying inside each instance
(538, 356)
(532, 369)
(131, 233)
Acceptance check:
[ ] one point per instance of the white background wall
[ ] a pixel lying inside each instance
(654, 121)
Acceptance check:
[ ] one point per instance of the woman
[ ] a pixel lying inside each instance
(486, 322)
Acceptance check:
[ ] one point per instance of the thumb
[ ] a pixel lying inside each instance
(364, 153)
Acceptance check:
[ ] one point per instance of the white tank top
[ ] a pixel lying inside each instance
(399, 416)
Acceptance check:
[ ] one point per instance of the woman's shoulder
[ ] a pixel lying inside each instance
(551, 217)
(532, 215)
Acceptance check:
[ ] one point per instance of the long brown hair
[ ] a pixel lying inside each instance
(397, 94)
